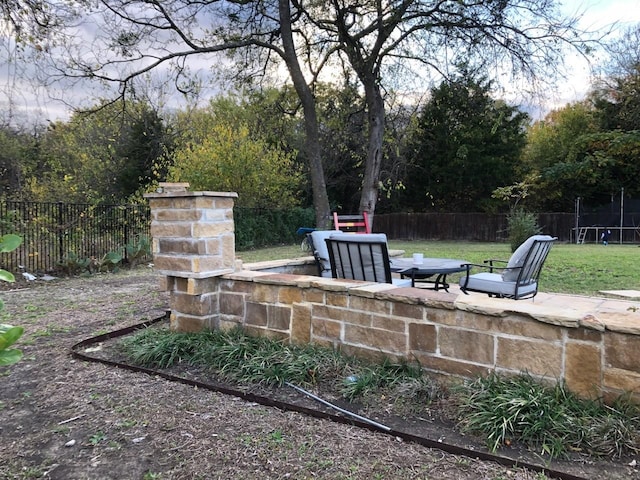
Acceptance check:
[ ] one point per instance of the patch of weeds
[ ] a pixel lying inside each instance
(463, 462)
(319, 463)
(246, 439)
(96, 438)
(33, 312)
(547, 418)
(32, 472)
(540, 476)
(61, 429)
(128, 423)
(48, 331)
(94, 396)
(151, 476)
(113, 445)
(276, 436)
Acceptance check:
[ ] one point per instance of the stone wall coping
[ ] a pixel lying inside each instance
(291, 262)
(199, 276)
(378, 291)
(570, 311)
(171, 194)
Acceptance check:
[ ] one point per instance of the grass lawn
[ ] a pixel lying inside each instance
(577, 269)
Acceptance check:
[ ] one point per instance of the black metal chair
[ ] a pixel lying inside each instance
(362, 257)
(518, 279)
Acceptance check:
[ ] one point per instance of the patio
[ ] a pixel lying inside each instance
(592, 344)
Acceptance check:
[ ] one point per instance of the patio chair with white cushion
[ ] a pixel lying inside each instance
(362, 257)
(518, 279)
(320, 251)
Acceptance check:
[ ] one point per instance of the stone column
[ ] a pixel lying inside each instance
(193, 245)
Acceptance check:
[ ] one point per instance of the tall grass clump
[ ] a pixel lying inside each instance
(392, 380)
(236, 356)
(547, 418)
(233, 355)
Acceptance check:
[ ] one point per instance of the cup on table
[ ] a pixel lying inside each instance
(418, 258)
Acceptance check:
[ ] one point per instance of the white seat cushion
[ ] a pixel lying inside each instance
(401, 282)
(321, 253)
(359, 237)
(494, 283)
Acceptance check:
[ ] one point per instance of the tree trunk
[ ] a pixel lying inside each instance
(375, 117)
(312, 142)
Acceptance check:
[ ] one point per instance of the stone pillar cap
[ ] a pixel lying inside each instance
(166, 187)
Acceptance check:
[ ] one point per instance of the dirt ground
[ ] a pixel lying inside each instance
(63, 418)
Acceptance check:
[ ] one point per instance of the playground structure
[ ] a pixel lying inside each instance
(623, 221)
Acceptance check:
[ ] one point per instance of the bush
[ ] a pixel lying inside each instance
(547, 418)
(255, 228)
(8, 333)
(138, 250)
(521, 225)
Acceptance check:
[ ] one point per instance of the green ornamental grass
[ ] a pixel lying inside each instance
(546, 417)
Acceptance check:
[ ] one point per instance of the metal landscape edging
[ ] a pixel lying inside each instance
(346, 418)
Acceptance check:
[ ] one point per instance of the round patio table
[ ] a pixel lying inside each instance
(438, 267)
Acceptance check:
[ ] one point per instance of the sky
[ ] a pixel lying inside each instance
(596, 14)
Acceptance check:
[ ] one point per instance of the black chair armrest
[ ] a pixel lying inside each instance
(488, 265)
(491, 262)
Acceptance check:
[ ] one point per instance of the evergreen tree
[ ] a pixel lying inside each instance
(466, 145)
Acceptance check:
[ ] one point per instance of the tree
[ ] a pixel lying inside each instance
(371, 39)
(220, 154)
(142, 152)
(467, 145)
(598, 166)
(100, 157)
(616, 96)
(15, 150)
(381, 38)
(550, 142)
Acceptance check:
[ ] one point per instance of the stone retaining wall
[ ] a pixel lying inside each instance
(452, 335)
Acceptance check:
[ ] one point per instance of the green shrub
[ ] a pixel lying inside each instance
(255, 228)
(236, 356)
(73, 264)
(109, 262)
(138, 250)
(8, 333)
(522, 225)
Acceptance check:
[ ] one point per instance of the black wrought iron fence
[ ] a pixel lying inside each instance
(53, 231)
